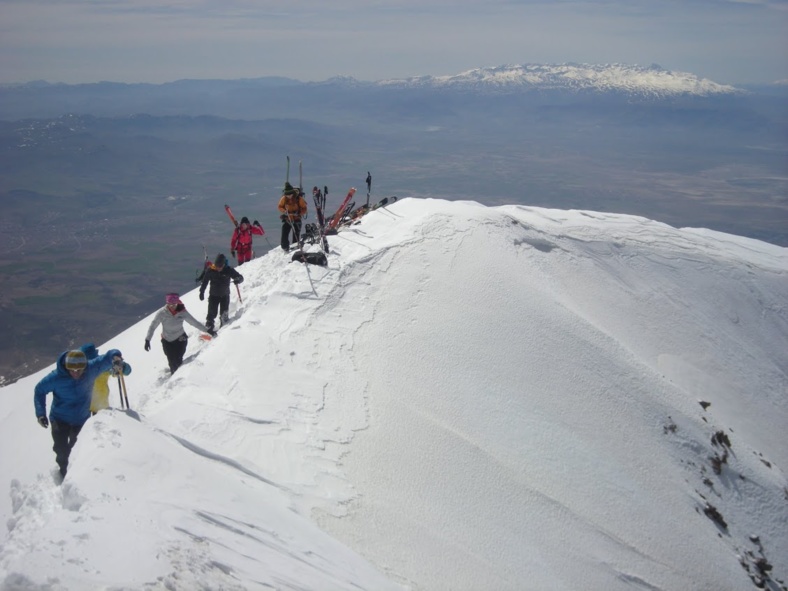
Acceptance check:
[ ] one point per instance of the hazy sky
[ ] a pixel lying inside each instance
(728, 41)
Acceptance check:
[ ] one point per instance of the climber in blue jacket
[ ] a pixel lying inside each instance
(71, 384)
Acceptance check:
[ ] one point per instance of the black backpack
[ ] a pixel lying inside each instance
(313, 258)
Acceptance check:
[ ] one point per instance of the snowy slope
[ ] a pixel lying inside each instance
(651, 81)
(467, 398)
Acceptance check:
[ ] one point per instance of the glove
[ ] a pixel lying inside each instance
(43, 422)
(147, 345)
(283, 217)
(232, 253)
(238, 280)
(202, 296)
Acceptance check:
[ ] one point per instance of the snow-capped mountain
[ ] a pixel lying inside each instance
(651, 81)
(466, 398)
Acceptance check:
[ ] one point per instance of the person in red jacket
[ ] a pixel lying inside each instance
(241, 242)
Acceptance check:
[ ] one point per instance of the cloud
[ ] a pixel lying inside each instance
(312, 40)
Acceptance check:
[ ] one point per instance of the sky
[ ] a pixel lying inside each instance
(467, 397)
(73, 41)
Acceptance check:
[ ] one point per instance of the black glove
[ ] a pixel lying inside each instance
(202, 296)
(147, 345)
(232, 253)
(238, 280)
(283, 217)
(43, 422)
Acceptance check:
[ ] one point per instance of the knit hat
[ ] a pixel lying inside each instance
(289, 190)
(76, 360)
(172, 298)
(220, 261)
(244, 220)
(90, 350)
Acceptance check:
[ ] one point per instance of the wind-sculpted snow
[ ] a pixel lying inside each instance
(465, 398)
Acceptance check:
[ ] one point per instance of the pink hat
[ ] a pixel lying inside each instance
(172, 298)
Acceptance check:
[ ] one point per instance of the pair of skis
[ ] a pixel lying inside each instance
(341, 212)
(319, 198)
(320, 206)
(354, 216)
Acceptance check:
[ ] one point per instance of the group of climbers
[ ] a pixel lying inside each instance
(79, 384)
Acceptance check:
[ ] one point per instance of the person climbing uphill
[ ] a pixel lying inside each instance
(173, 337)
(71, 385)
(241, 242)
(219, 276)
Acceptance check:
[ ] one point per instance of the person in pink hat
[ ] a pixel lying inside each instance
(173, 337)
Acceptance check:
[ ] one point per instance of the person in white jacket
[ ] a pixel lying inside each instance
(173, 337)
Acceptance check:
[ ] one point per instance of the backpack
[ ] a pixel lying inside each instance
(244, 237)
(313, 258)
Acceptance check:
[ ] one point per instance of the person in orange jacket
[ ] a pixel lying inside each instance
(241, 243)
(292, 208)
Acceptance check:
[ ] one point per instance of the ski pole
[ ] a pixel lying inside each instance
(301, 250)
(266, 238)
(125, 393)
(124, 397)
(238, 289)
(120, 392)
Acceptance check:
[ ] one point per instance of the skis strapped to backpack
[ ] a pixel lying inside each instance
(230, 214)
(206, 263)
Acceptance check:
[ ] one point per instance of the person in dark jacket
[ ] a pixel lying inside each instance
(219, 276)
(71, 384)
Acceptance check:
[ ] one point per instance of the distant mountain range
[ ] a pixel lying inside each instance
(651, 81)
(345, 100)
